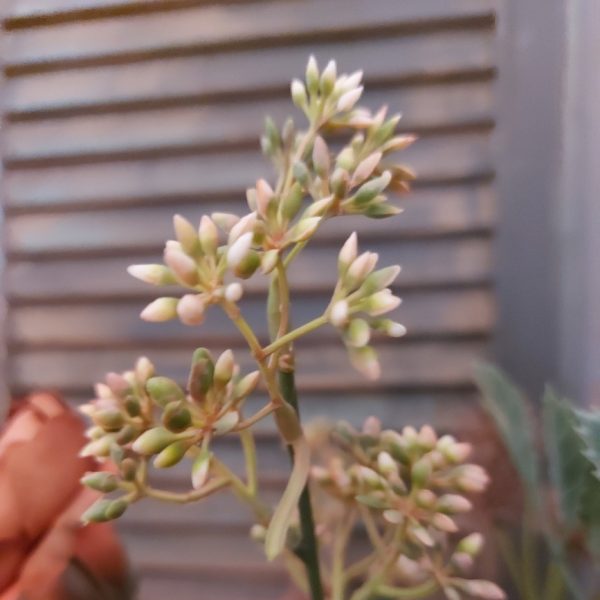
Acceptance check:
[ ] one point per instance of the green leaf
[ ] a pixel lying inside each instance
(508, 408)
(589, 430)
(568, 467)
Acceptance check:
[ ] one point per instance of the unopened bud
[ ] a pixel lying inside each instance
(248, 265)
(101, 481)
(99, 448)
(258, 533)
(425, 498)
(291, 204)
(128, 469)
(227, 422)
(358, 333)
(420, 535)
(209, 236)
(245, 225)
(365, 361)
(386, 464)
(444, 523)
(348, 253)
(339, 182)
(163, 391)
(301, 173)
(381, 302)
(393, 516)
(365, 168)
(472, 478)
(201, 373)
(328, 78)
(153, 274)
(110, 419)
(186, 235)
(408, 569)
(299, 96)
(226, 221)
(471, 545)
(234, 292)
(380, 279)
(224, 367)
(339, 313)
(320, 157)
(420, 472)
(153, 441)
(454, 504)
(144, 369)
(462, 561)
(457, 453)
(238, 251)
(312, 75)
(349, 99)
(400, 142)
(427, 437)
(182, 265)
(172, 454)
(304, 229)
(269, 261)
(368, 191)
(200, 469)
(372, 426)
(176, 417)
(161, 309)
(360, 268)
(245, 386)
(190, 309)
(264, 196)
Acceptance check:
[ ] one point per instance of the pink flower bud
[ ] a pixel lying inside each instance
(191, 309)
(349, 99)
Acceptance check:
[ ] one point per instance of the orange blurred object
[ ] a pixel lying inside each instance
(45, 552)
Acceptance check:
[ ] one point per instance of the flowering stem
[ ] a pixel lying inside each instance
(294, 334)
(249, 447)
(186, 497)
(307, 549)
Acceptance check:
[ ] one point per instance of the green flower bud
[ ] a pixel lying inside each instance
(386, 464)
(328, 78)
(339, 182)
(128, 469)
(453, 504)
(161, 309)
(172, 454)
(368, 191)
(132, 406)
(292, 203)
(248, 265)
(379, 280)
(201, 374)
(471, 545)
(420, 472)
(385, 131)
(97, 512)
(176, 417)
(269, 261)
(152, 274)
(425, 499)
(99, 448)
(381, 211)
(115, 509)
(100, 481)
(153, 441)
(163, 390)
(320, 157)
(127, 434)
(301, 173)
(358, 333)
(200, 468)
(346, 159)
(245, 386)
(348, 253)
(109, 420)
(299, 96)
(312, 75)
(208, 236)
(227, 422)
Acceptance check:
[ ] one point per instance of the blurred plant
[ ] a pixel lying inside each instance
(45, 554)
(560, 529)
(138, 414)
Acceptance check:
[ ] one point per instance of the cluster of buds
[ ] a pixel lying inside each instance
(354, 181)
(138, 415)
(415, 482)
(361, 297)
(197, 262)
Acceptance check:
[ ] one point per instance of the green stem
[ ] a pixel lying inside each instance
(186, 497)
(294, 334)
(307, 549)
(249, 447)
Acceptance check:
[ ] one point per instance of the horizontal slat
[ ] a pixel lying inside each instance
(247, 73)
(455, 156)
(404, 364)
(428, 212)
(454, 312)
(227, 123)
(425, 263)
(207, 28)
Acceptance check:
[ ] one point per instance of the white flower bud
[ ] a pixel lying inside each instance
(304, 229)
(349, 99)
(386, 464)
(244, 225)
(182, 265)
(208, 234)
(144, 369)
(299, 96)
(444, 523)
(153, 274)
(394, 517)
(345, 83)
(358, 333)
(371, 426)
(365, 361)
(224, 367)
(458, 452)
(394, 329)
(339, 313)
(410, 570)
(381, 302)
(225, 220)
(239, 249)
(400, 142)
(186, 234)
(427, 437)
(454, 504)
(348, 252)
(264, 196)
(161, 309)
(472, 478)
(190, 309)
(269, 260)
(312, 75)
(234, 292)
(365, 168)
(320, 157)
(328, 78)
(360, 268)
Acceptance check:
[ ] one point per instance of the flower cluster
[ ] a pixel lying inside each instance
(361, 297)
(138, 415)
(411, 484)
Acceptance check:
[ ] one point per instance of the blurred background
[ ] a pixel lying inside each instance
(119, 113)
